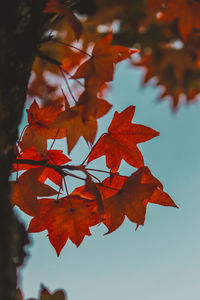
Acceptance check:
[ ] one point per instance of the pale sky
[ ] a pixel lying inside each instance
(161, 260)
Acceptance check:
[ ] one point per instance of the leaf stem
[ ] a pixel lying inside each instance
(78, 81)
(68, 197)
(92, 149)
(110, 187)
(57, 199)
(97, 170)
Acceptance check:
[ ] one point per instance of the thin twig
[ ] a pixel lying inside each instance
(57, 199)
(53, 140)
(60, 169)
(42, 163)
(69, 89)
(71, 46)
(94, 177)
(75, 176)
(102, 171)
(47, 58)
(78, 81)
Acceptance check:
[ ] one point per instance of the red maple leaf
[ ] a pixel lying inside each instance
(72, 121)
(127, 196)
(38, 130)
(132, 199)
(186, 12)
(70, 217)
(55, 6)
(101, 63)
(54, 157)
(26, 190)
(121, 141)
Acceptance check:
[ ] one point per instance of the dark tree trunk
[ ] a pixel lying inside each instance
(22, 24)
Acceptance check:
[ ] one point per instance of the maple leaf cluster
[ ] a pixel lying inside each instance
(52, 117)
(167, 32)
(175, 60)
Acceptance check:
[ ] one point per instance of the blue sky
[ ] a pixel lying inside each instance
(161, 260)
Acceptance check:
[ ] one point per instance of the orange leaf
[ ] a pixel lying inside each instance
(158, 196)
(38, 130)
(57, 295)
(100, 191)
(101, 64)
(55, 6)
(26, 190)
(93, 106)
(91, 187)
(111, 185)
(70, 217)
(131, 201)
(187, 13)
(54, 157)
(121, 141)
(72, 121)
(71, 59)
(103, 107)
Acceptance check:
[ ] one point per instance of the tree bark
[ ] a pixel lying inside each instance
(22, 24)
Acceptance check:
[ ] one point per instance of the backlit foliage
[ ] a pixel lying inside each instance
(84, 61)
(51, 116)
(168, 34)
